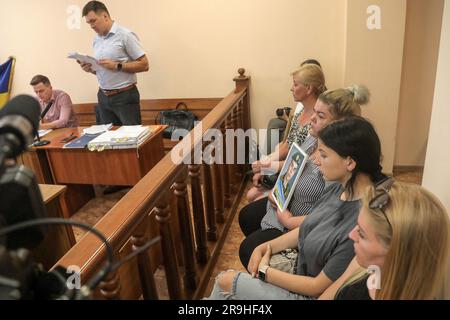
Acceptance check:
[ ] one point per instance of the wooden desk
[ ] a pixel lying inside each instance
(58, 240)
(124, 167)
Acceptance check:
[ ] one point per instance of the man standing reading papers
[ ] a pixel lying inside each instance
(120, 55)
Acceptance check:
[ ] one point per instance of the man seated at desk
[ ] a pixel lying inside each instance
(56, 105)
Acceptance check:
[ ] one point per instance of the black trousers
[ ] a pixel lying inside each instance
(122, 109)
(250, 222)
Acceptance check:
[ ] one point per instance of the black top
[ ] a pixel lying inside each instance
(355, 291)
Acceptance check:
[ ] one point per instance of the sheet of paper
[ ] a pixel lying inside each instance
(97, 129)
(85, 58)
(43, 133)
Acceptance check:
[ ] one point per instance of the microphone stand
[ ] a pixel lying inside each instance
(39, 142)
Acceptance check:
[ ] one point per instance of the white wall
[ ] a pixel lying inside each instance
(423, 30)
(195, 46)
(437, 170)
(374, 58)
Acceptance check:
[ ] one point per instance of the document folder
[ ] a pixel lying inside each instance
(81, 142)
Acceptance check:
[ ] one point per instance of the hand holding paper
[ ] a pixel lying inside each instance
(85, 59)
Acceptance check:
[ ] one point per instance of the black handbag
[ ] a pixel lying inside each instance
(176, 119)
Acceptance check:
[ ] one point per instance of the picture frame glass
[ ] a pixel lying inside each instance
(289, 176)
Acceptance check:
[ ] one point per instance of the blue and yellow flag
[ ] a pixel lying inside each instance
(6, 78)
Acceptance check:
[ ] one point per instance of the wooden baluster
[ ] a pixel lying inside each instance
(110, 287)
(244, 167)
(199, 214)
(243, 83)
(138, 240)
(225, 173)
(211, 232)
(230, 166)
(218, 193)
(163, 217)
(236, 126)
(184, 216)
(241, 115)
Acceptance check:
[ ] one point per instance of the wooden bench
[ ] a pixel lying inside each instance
(150, 110)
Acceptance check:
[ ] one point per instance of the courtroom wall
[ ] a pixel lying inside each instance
(195, 46)
(423, 29)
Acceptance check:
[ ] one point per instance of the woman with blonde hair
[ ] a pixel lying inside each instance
(403, 238)
(308, 84)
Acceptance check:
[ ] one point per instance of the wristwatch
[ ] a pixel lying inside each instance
(119, 66)
(262, 273)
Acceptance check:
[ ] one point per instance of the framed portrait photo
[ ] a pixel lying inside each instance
(289, 175)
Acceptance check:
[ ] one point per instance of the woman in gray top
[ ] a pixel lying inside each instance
(350, 153)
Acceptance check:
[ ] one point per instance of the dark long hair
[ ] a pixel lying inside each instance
(355, 137)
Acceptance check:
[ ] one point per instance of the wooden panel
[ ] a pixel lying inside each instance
(58, 239)
(150, 109)
(128, 273)
(151, 154)
(50, 192)
(110, 167)
(77, 196)
(37, 162)
(191, 103)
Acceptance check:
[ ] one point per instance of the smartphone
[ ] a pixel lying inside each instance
(69, 138)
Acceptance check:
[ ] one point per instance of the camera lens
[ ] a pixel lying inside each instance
(280, 112)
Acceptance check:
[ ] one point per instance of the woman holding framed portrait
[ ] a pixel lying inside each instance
(261, 221)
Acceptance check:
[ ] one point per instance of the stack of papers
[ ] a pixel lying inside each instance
(126, 137)
(130, 134)
(97, 129)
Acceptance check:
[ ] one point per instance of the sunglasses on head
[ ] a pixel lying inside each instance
(382, 199)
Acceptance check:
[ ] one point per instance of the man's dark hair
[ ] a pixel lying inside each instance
(95, 6)
(38, 79)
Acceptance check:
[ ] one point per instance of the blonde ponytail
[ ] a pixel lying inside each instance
(360, 93)
(346, 102)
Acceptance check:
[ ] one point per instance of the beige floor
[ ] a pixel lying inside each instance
(229, 259)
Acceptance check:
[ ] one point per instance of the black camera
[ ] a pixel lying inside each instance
(283, 112)
(268, 182)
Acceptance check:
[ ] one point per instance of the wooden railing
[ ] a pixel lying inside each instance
(192, 232)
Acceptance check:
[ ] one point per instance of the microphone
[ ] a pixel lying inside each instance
(19, 121)
(20, 197)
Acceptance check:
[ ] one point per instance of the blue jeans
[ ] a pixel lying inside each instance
(247, 288)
